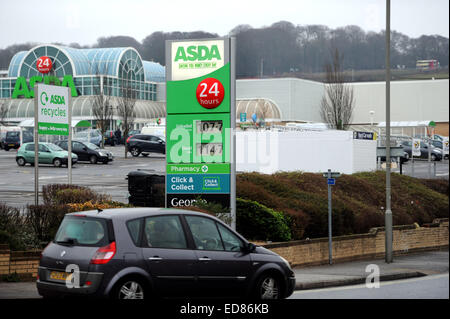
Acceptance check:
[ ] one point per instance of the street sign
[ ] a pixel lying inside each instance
(53, 110)
(243, 117)
(416, 147)
(333, 174)
(331, 181)
(200, 118)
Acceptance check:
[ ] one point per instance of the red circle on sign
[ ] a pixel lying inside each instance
(44, 64)
(210, 93)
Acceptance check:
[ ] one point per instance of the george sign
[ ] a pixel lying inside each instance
(415, 147)
(243, 117)
(200, 109)
(364, 136)
(53, 110)
(44, 64)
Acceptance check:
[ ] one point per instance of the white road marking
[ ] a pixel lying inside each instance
(382, 283)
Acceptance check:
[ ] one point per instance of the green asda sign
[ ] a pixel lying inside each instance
(22, 88)
(199, 122)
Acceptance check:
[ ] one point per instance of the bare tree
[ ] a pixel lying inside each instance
(125, 108)
(338, 102)
(102, 109)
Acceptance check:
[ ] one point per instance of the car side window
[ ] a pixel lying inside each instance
(153, 139)
(77, 146)
(43, 148)
(230, 241)
(63, 145)
(134, 228)
(205, 233)
(30, 148)
(164, 232)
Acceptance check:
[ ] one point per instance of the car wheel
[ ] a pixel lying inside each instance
(6, 148)
(406, 156)
(267, 287)
(21, 161)
(130, 289)
(57, 162)
(433, 157)
(93, 159)
(135, 151)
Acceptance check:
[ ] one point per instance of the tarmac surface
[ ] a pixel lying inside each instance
(342, 274)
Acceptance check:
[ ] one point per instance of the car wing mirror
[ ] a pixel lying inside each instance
(249, 248)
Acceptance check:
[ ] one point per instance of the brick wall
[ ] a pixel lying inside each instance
(406, 239)
(22, 263)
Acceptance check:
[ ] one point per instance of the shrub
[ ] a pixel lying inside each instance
(44, 220)
(89, 205)
(257, 222)
(59, 194)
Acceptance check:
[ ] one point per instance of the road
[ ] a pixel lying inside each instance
(17, 183)
(429, 287)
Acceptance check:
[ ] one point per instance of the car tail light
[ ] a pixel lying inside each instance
(128, 139)
(104, 254)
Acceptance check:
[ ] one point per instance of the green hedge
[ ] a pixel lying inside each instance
(257, 222)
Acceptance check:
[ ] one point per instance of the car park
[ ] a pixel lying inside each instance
(88, 152)
(145, 144)
(135, 253)
(90, 136)
(48, 154)
(435, 153)
(110, 138)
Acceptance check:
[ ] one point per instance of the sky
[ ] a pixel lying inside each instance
(84, 21)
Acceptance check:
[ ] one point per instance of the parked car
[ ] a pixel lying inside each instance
(110, 138)
(12, 139)
(436, 154)
(87, 152)
(49, 153)
(90, 136)
(135, 253)
(143, 143)
(403, 159)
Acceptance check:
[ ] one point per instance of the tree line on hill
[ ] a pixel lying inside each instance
(286, 49)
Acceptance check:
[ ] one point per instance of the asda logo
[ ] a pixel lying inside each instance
(55, 99)
(22, 88)
(197, 53)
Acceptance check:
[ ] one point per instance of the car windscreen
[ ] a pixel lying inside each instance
(82, 231)
(12, 134)
(54, 147)
(92, 146)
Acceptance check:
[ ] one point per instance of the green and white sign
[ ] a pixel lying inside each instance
(52, 109)
(200, 120)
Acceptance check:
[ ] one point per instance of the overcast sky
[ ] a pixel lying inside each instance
(84, 21)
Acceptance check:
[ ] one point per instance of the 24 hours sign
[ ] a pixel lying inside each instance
(52, 109)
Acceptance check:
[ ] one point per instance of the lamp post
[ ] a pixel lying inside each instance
(388, 214)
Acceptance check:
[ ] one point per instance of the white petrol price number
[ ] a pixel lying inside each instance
(209, 149)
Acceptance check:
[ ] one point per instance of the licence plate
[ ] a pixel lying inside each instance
(11, 144)
(58, 275)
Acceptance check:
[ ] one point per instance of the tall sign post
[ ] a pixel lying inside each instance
(52, 115)
(388, 213)
(331, 180)
(200, 123)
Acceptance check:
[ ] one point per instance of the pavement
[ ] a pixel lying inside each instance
(342, 274)
(356, 272)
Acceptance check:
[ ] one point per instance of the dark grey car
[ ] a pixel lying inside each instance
(143, 252)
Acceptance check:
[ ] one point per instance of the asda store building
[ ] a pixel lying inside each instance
(87, 72)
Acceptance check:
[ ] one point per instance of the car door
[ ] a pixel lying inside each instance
(79, 149)
(45, 155)
(169, 258)
(222, 268)
(29, 153)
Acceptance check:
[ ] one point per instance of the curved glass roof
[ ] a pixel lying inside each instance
(263, 108)
(154, 72)
(82, 107)
(120, 62)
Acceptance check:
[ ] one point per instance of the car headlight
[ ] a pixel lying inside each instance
(286, 262)
(102, 154)
(438, 151)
